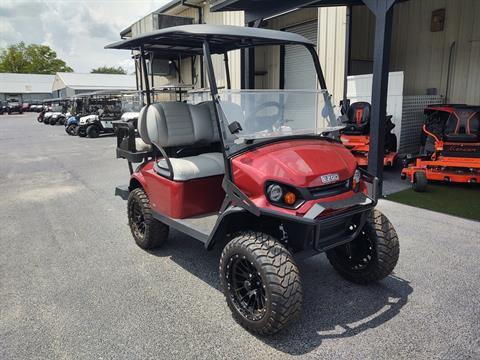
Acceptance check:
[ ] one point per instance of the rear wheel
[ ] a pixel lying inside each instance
(261, 282)
(372, 255)
(147, 232)
(92, 131)
(419, 181)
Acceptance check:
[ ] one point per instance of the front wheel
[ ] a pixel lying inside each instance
(92, 132)
(372, 256)
(261, 282)
(148, 232)
(419, 181)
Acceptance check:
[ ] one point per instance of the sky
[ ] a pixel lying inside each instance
(76, 29)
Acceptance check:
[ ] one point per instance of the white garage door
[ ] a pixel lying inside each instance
(299, 68)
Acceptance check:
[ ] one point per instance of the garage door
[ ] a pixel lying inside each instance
(299, 68)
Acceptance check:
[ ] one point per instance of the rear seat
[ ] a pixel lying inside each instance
(176, 124)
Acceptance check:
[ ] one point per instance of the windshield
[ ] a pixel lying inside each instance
(255, 115)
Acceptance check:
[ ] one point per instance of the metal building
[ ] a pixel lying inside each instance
(69, 84)
(25, 88)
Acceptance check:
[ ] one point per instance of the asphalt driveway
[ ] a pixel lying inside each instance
(73, 284)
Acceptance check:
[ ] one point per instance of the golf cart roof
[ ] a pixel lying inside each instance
(187, 40)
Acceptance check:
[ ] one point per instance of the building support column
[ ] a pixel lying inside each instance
(383, 11)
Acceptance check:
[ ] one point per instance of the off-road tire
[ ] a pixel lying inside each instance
(279, 275)
(419, 181)
(155, 232)
(384, 247)
(71, 129)
(92, 132)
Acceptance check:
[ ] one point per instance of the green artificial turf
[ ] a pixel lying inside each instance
(454, 199)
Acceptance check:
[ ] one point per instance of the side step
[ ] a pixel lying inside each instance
(199, 227)
(122, 191)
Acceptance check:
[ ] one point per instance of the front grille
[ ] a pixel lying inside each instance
(330, 190)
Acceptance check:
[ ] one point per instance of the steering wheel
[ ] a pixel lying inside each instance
(265, 122)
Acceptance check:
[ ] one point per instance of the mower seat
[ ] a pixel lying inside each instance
(358, 119)
(176, 124)
(462, 127)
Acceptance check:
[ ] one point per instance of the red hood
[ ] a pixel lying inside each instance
(295, 162)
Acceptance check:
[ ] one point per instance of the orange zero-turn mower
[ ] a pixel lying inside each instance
(451, 147)
(356, 134)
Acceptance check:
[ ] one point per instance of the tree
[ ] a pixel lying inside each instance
(31, 59)
(109, 70)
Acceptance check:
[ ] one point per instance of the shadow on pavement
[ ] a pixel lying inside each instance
(333, 308)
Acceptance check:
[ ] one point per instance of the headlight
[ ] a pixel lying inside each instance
(274, 192)
(283, 195)
(357, 176)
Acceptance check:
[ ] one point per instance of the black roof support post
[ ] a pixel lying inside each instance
(249, 61)
(383, 10)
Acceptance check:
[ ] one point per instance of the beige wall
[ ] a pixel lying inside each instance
(423, 55)
(331, 48)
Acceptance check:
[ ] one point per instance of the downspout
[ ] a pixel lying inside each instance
(450, 56)
(200, 21)
(348, 28)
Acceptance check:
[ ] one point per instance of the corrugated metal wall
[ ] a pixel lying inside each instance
(422, 54)
(330, 46)
(218, 18)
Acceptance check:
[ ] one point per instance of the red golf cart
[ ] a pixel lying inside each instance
(254, 172)
(451, 147)
(356, 134)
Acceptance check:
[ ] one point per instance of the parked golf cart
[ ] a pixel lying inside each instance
(450, 147)
(254, 172)
(14, 106)
(356, 134)
(58, 113)
(108, 107)
(78, 109)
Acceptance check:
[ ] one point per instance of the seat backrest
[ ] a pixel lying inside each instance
(173, 124)
(462, 126)
(358, 113)
(142, 126)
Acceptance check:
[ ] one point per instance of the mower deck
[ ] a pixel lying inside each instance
(450, 169)
(359, 146)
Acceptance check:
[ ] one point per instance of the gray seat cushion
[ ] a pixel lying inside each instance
(194, 167)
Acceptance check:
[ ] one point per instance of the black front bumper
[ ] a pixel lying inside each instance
(330, 224)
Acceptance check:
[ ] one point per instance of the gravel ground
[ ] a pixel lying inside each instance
(73, 285)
